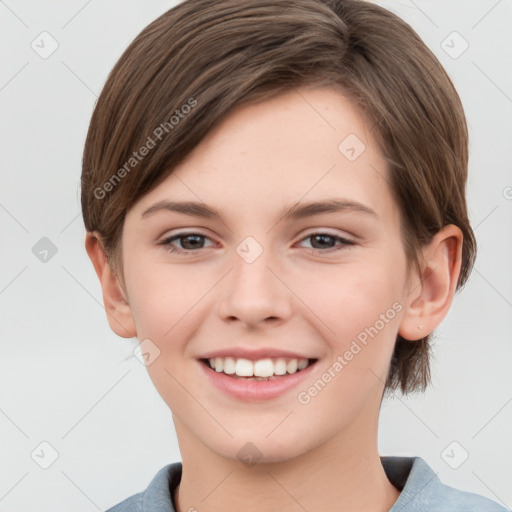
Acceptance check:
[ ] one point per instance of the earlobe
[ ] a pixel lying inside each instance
(117, 308)
(431, 293)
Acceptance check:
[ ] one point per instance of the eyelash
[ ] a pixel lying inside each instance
(167, 243)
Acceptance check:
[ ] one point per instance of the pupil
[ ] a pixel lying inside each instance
(197, 238)
(322, 238)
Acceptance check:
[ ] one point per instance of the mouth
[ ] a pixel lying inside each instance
(266, 369)
(255, 376)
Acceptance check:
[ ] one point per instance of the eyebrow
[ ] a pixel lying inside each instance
(293, 212)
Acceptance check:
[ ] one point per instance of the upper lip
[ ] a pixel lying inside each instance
(254, 354)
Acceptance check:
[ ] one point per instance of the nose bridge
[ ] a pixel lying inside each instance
(254, 292)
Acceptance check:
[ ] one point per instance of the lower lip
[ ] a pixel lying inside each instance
(253, 390)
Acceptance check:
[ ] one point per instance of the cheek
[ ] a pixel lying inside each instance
(358, 313)
(348, 298)
(164, 299)
(363, 311)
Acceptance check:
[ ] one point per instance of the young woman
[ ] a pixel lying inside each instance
(274, 198)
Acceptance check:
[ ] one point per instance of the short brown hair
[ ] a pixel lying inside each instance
(212, 55)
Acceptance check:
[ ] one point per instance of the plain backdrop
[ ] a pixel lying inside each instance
(68, 382)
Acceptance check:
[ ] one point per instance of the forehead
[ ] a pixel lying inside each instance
(304, 144)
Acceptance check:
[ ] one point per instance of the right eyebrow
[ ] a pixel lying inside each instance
(191, 208)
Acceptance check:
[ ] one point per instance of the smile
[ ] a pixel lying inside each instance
(263, 379)
(262, 369)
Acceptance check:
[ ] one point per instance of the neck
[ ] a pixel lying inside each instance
(341, 475)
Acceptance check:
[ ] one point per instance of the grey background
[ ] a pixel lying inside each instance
(67, 380)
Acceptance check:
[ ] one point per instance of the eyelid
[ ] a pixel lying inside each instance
(328, 231)
(164, 240)
(346, 242)
(182, 232)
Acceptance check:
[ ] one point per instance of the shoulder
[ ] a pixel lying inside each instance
(158, 495)
(131, 504)
(423, 490)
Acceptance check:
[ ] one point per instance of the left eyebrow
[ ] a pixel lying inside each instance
(300, 211)
(296, 211)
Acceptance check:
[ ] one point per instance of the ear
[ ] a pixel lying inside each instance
(431, 293)
(118, 310)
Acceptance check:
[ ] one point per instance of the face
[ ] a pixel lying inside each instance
(319, 282)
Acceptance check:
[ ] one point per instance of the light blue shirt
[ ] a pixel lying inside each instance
(421, 491)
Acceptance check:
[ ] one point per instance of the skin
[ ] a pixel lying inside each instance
(322, 455)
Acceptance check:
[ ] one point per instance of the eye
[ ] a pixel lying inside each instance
(191, 242)
(324, 241)
(188, 241)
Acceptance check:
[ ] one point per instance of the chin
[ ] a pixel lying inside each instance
(254, 449)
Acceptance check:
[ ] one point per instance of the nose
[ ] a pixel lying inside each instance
(255, 293)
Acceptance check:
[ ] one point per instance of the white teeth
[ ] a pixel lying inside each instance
(280, 367)
(262, 368)
(291, 367)
(244, 368)
(302, 364)
(229, 365)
